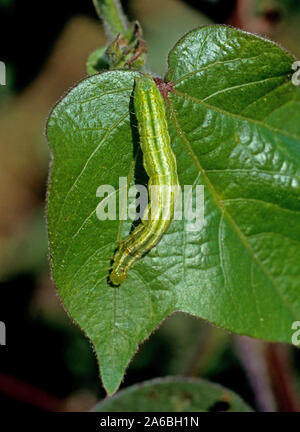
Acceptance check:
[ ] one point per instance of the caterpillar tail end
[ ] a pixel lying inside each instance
(118, 276)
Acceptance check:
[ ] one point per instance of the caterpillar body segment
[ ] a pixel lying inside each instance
(160, 164)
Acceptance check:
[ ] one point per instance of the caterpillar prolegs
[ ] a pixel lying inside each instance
(160, 164)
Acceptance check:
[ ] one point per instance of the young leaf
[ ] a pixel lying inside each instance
(235, 129)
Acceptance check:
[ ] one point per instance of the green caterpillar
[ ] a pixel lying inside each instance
(160, 164)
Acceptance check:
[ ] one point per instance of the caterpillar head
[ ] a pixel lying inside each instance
(118, 276)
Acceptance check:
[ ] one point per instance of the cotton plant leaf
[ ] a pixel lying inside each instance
(234, 122)
(174, 394)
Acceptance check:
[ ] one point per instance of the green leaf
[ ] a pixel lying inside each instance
(174, 395)
(235, 128)
(242, 141)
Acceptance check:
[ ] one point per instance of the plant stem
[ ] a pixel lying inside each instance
(110, 11)
(279, 359)
(252, 354)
